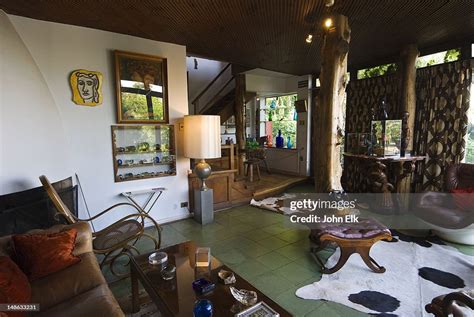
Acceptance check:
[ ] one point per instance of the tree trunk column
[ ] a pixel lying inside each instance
(328, 118)
(239, 106)
(407, 73)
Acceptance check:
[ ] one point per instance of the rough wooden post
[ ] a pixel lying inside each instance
(328, 118)
(407, 81)
(239, 110)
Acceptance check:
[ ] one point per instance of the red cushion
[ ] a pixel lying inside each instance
(464, 198)
(14, 286)
(43, 254)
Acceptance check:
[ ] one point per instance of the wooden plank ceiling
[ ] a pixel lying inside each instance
(268, 34)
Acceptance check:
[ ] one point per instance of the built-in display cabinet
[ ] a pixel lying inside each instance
(143, 151)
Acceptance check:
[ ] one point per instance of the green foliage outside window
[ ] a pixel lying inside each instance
(282, 117)
(135, 106)
(376, 71)
(422, 61)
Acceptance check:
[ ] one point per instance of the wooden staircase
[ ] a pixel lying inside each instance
(218, 97)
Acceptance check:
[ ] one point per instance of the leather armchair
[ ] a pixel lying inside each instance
(457, 304)
(440, 212)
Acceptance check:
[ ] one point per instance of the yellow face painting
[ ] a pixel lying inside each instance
(86, 87)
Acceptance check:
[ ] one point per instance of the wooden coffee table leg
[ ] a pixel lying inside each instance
(365, 255)
(135, 298)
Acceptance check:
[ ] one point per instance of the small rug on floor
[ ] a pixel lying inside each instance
(417, 271)
(274, 204)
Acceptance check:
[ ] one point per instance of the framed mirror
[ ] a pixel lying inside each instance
(142, 88)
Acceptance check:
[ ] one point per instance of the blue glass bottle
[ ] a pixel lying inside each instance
(289, 144)
(202, 308)
(279, 140)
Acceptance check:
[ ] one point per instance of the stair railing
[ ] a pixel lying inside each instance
(216, 88)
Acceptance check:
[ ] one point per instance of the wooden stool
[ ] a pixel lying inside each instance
(351, 238)
(248, 166)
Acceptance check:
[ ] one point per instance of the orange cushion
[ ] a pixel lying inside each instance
(45, 253)
(464, 198)
(14, 286)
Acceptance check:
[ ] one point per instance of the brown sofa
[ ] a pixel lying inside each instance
(79, 290)
(439, 210)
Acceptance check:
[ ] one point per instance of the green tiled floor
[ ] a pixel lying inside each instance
(263, 248)
(260, 246)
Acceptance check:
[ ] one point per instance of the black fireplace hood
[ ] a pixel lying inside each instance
(32, 208)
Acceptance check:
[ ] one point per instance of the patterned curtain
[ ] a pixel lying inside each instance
(362, 96)
(442, 102)
(365, 94)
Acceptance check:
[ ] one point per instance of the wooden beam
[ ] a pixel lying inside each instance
(239, 110)
(328, 120)
(407, 78)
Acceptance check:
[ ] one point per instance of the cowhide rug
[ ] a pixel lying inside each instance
(274, 204)
(417, 271)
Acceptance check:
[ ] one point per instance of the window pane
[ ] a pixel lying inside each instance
(281, 111)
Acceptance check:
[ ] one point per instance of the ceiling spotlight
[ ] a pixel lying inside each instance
(329, 3)
(309, 38)
(328, 23)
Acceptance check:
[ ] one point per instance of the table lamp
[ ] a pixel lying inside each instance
(202, 141)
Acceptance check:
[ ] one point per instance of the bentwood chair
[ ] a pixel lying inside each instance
(116, 240)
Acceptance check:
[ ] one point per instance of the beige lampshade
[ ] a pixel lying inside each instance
(202, 136)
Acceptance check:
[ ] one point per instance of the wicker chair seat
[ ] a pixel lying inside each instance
(119, 234)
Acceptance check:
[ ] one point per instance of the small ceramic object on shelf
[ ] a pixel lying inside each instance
(143, 147)
(169, 272)
(120, 149)
(157, 147)
(227, 277)
(129, 162)
(119, 162)
(131, 148)
(158, 258)
(244, 296)
(157, 159)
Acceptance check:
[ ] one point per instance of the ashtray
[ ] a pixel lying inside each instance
(157, 258)
(203, 286)
(247, 298)
(168, 272)
(227, 277)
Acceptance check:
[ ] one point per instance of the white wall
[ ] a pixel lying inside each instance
(32, 138)
(199, 78)
(59, 49)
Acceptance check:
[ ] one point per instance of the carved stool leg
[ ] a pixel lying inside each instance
(345, 254)
(369, 261)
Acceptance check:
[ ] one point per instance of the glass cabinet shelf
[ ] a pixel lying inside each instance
(144, 151)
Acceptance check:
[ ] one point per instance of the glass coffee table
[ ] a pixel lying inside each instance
(176, 297)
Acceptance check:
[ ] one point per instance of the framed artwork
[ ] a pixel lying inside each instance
(86, 86)
(142, 89)
(258, 310)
